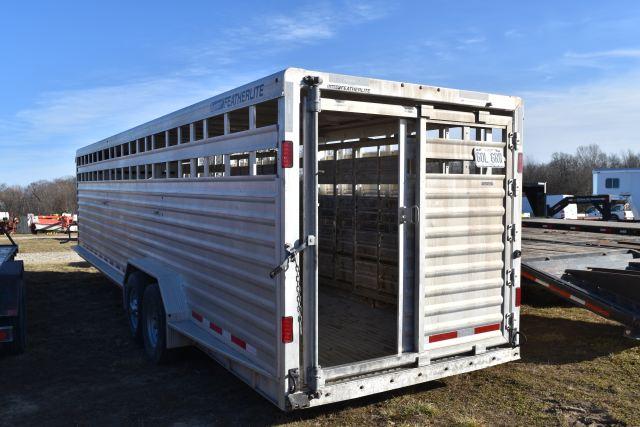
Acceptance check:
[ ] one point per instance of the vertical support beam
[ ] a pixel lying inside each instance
(166, 138)
(167, 170)
(227, 124)
(205, 129)
(421, 137)
(153, 142)
(466, 136)
(205, 166)
(253, 170)
(179, 133)
(252, 117)
(488, 136)
(193, 167)
(310, 228)
(288, 208)
(227, 165)
(401, 138)
(192, 132)
(179, 172)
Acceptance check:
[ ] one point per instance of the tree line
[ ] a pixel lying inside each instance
(41, 197)
(572, 173)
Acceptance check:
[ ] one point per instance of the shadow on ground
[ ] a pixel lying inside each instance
(81, 366)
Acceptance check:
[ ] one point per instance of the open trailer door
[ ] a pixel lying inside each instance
(466, 197)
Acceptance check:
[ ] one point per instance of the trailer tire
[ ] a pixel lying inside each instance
(19, 324)
(133, 297)
(154, 326)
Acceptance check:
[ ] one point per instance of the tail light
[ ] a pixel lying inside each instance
(518, 296)
(520, 163)
(286, 154)
(287, 329)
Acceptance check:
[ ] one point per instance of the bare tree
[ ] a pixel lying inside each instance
(40, 197)
(572, 173)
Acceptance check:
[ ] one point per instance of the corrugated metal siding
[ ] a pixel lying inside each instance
(219, 233)
(463, 265)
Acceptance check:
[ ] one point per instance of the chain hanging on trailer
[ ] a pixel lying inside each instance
(298, 294)
(292, 256)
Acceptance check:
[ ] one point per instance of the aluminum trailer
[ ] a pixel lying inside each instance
(600, 275)
(12, 299)
(383, 254)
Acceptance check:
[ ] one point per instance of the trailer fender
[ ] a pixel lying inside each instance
(171, 286)
(11, 273)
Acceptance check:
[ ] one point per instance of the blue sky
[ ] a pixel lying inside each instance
(75, 72)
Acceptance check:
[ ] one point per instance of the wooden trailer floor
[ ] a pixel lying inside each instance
(350, 330)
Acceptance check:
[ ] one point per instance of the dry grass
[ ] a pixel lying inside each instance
(577, 369)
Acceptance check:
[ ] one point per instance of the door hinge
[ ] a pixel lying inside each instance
(514, 141)
(512, 187)
(511, 232)
(511, 278)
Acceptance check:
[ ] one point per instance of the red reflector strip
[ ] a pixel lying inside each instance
(237, 341)
(518, 296)
(286, 154)
(215, 327)
(596, 309)
(197, 316)
(287, 329)
(520, 163)
(442, 337)
(487, 328)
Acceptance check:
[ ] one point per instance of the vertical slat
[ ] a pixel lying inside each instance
(227, 165)
(205, 166)
(252, 164)
(205, 129)
(488, 136)
(421, 136)
(466, 136)
(179, 172)
(193, 168)
(252, 117)
(401, 137)
(192, 132)
(227, 124)
(153, 142)
(179, 133)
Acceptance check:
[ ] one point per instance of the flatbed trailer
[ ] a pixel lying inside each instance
(324, 237)
(584, 225)
(599, 274)
(12, 299)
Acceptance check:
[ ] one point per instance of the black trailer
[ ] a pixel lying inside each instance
(591, 271)
(12, 299)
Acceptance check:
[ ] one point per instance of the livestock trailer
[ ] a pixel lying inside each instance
(324, 237)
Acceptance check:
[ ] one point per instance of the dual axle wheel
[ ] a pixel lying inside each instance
(146, 316)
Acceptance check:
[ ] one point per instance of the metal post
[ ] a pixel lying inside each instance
(310, 232)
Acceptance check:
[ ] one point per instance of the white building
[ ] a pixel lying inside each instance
(619, 182)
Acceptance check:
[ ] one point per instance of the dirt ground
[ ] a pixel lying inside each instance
(81, 368)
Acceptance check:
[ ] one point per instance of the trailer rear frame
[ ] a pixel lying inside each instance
(213, 271)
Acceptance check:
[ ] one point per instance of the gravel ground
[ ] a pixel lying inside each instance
(49, 257)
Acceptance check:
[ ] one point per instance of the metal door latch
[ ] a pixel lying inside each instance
(291, 252)
(408, 215)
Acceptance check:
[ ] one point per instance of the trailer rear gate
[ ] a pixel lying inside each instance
(394, 203)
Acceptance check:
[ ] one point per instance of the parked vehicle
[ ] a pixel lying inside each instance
(386, 256)
(619, 212)
(623, 183)
(12, 298)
